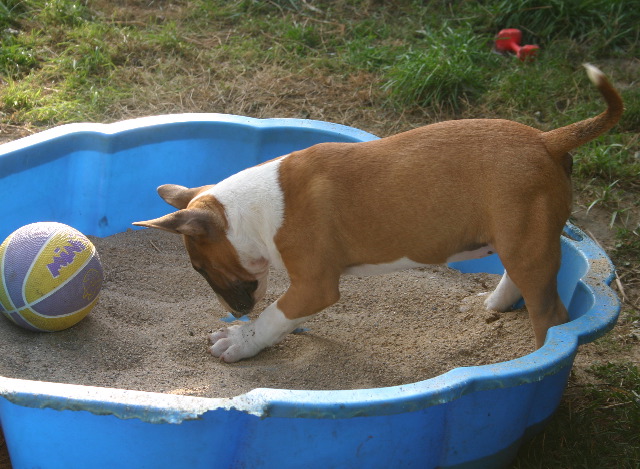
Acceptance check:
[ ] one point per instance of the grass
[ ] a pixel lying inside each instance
(609, 171)
(380, 66)
(446, 70)
(600, 25)
(598, 425)
(609, 159)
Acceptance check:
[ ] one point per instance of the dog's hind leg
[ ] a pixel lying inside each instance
(504, 296)
(545, 309)
(532, 264)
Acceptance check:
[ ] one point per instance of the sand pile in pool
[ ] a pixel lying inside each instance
(149, 330)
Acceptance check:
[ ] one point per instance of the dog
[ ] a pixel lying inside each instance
(449, 191)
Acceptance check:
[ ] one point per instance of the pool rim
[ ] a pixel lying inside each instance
(556, 354)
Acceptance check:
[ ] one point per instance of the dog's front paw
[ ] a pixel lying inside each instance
(234, 343)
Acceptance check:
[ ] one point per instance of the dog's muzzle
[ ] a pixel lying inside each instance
(240, 297)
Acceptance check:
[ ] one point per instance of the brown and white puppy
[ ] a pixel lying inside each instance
(449, 191)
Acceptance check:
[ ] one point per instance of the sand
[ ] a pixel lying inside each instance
(149, 330)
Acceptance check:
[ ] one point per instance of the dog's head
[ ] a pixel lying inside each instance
(238, 280)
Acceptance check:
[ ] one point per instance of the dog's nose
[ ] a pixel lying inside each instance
(240, 297)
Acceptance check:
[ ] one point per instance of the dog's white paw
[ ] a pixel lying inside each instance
(504, 296)
(495, 303)
(234, 343)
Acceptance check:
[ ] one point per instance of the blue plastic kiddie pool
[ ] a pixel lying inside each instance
(100, 178)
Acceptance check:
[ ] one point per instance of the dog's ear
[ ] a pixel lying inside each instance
(179, 196)
(189, 222)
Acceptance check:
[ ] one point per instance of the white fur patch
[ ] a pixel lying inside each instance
(594, 73)
(479, 253)
(240, 341)
(365, 270)
(254, 206)
(504, 296)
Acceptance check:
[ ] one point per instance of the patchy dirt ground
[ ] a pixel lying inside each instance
(9, 132)
(623, 342)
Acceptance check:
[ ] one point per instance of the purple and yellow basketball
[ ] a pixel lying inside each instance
(50, 276)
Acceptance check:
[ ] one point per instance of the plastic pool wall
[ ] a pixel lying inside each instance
(100, 178)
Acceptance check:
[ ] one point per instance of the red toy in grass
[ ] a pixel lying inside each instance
(508, 40)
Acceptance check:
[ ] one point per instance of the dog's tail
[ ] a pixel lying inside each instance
(561, 141)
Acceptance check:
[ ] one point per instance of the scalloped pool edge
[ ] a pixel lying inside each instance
(557, 354)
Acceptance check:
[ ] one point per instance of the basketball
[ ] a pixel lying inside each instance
(50, 276)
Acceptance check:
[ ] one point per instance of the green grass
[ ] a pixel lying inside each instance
(628, 246)
(53, 65)
(598, 425)
(62, 12)
(423, 56)
(445, 70)
(604, 26)
(609, 158)
(415, 62)
(10, 11)
(16, 57)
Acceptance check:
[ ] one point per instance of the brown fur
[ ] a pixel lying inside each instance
(425, 194)
(432, 192)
